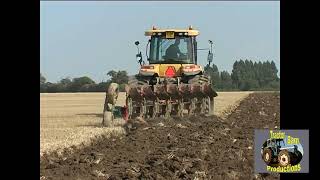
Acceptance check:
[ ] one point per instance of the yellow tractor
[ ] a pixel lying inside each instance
(171, 84)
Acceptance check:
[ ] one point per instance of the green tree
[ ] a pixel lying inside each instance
(226, 81)
(268, 75)
(274, 71)
(65, 84)
(87, 88)
(102, 86)
(52, 87)
(42, 79)
(78, 83)
(43, 87)
(238, 73)
(120, 77)
(213, 72)
(244, 75)
(65, 81)
(112, 73)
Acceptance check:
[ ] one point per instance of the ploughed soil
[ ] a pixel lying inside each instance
(179, 148)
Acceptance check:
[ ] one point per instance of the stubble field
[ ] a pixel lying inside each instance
(72, 119)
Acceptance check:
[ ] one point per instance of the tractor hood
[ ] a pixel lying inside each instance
(287, 147)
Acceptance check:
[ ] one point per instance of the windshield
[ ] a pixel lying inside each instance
(170, 51)
(280, 143)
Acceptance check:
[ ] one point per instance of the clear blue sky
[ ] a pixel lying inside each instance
(90, 38)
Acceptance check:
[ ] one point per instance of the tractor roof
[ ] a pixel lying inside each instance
(277, 139)
(190, 31)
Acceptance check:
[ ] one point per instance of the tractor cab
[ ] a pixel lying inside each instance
(274, 145)
(172, 46)
(171, 53)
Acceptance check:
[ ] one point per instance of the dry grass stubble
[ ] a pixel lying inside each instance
(226, 102)
(68, 119)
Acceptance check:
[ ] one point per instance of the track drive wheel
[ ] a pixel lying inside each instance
(109, 103)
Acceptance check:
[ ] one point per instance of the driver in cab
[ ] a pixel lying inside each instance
(173, 52)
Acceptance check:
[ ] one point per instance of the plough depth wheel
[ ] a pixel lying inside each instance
(109, 103)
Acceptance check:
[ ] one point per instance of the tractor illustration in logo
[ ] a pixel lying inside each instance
(276, 151)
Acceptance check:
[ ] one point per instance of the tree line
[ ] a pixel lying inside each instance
(83, 84)
(245, 76)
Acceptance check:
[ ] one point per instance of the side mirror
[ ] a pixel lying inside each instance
(210, 54)
(210, 57)
(138, 55)
(139, 58)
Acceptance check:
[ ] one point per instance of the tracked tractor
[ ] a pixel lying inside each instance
(171, 84)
